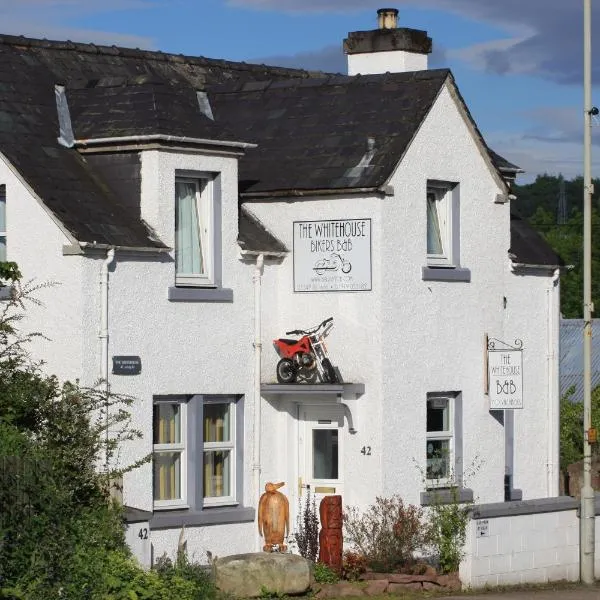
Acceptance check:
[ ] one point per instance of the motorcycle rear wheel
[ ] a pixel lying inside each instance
(330, 374)
(286, 371)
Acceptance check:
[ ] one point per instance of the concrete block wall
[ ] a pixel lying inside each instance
(533, 541)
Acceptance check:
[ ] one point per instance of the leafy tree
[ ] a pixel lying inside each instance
(571, 426)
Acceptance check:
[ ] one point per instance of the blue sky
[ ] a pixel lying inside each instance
(518, 63)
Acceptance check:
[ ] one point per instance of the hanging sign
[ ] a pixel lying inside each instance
(505, 376)
(332, 256)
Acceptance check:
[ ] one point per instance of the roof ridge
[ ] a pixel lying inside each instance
(158, 55)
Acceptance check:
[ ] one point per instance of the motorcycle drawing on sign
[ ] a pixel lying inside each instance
(335, 262)
(305, 358)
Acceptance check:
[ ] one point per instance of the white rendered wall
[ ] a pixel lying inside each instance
(519, 549)
(35, 243)
(433, 336)
(395, 61)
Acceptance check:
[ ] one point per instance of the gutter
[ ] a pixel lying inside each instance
(158, 137)
(103, 335)
(384, 190)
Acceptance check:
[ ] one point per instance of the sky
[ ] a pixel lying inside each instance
(518, 63)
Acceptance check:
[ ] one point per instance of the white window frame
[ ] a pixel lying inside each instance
(206, 214)
(444, 202)
(3, 210)
(230, 446)
(180, 447)
(448, 435)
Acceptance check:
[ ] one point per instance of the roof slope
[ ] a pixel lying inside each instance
(61, 177)
(140, 107)
(331, 133)
(528, 247)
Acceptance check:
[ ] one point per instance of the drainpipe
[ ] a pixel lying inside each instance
(257, 278)
(103, 335)
(553, 399)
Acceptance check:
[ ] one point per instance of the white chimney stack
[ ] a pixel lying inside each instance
(388, 48)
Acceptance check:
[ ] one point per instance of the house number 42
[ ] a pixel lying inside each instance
(366, 450)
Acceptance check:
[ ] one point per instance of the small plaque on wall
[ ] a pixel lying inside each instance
(127, 365)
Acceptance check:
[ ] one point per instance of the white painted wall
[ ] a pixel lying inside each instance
(395, 61)
(35, 242)
(532, 548)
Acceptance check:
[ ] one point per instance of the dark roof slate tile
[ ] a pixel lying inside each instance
(528, 247)
(366, 121)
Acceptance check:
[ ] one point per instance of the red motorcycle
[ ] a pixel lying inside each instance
(305, 358)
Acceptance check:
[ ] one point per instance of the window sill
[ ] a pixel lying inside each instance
(208, 516)
(446, 496)
(446, 274)
(199, 294)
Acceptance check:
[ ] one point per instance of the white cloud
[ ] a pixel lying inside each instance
(52, 19)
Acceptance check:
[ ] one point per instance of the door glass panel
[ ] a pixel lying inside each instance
(325, 453)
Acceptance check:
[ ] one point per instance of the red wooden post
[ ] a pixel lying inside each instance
(331, 541)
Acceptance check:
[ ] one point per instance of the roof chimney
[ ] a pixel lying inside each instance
(388, 48)
(387, 18)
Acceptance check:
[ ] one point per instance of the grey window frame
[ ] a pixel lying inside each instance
(197, 512)
(448, 267)
(212, 291)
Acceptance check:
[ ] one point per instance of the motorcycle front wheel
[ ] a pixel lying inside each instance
(286, 371)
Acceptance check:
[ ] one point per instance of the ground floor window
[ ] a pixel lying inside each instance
(197, 451)
(443, 442)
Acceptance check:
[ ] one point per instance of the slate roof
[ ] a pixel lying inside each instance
(315, 130)
(61, 177)
(571, 356)
(504, 165)
(528, 247)
(330, 133)
(142, 106)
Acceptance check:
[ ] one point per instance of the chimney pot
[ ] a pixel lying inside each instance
(387, 18)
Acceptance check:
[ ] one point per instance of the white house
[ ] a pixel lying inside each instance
(184, 204)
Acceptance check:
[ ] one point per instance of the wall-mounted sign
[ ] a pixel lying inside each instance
(126, 365)
(332, 256)
(505, 378)
(483, 528)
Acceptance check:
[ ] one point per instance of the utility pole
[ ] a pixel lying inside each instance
(587, 515)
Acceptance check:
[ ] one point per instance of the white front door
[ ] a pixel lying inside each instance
(320, 451)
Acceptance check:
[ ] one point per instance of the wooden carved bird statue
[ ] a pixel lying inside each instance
(273, 517)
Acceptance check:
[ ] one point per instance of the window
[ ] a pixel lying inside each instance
(169, 424)
(197, 452)
(194, 231)
(442, 225)
(219, 452)
(440, 451)
(2, 222)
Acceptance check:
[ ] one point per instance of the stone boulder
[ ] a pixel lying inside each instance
(250, 575)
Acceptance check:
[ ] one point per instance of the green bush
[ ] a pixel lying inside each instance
(388, 534)
(325, 574)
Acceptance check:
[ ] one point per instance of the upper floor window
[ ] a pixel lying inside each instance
(443, 230)
(2, 222)
(194, 231)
